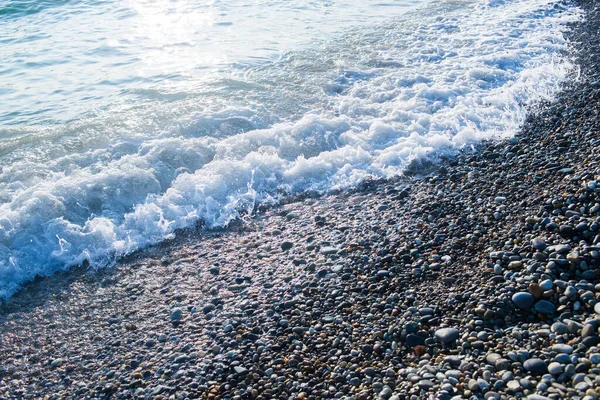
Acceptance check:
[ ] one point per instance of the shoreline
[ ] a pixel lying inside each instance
(480, 279)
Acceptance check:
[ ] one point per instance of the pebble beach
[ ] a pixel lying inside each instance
(475, 277)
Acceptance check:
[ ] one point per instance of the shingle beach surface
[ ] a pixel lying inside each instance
(478, 278)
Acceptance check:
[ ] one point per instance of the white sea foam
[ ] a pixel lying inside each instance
(320, 118)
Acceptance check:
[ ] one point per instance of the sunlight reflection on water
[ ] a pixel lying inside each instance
(63, 59)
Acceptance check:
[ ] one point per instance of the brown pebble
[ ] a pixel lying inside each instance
(535, 290)
(420, 350)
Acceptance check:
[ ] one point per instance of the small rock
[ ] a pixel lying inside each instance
(286, 245)
(208, 308)
(554, 368)
(176, 314)
(560, 328)
(538, 243)
(536, 366)
(328, 250)
(545, 307)
(240, 370)
(535, 290)
(425, 384)
(562, 348)
(523, 300)
(588, 330)
(447, 335)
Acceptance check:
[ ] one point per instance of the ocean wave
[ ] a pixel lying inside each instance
(320, 118)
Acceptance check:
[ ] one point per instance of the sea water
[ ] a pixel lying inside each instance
(123, 121)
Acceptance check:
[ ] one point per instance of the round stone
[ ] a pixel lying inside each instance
(536, 366)
(208, 308)
(535, 290)
(473, 385)
(560, 328)
(491, 358)
(447, 335)
(597, 308)
(554, 368)
(386, 393)
(562, 358)
(523, 300)
(286, 245)
(570, 292)
(545, 307)
(502, 364)
(538, 243)
(176, 314)
(546, 284)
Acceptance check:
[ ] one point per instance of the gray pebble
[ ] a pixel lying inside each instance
(176, 314)
(447, 335)
(523, 300)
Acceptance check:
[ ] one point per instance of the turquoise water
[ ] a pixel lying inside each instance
(123, 121)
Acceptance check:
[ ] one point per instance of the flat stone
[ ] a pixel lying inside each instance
(452, 360)
(515, 265)
(589, 275)
(491, 396)
(383, 273)
(425, 384)
(328, 250)
(369, 371)
(562, 348)
(447, 335)
(240, 370)
(562, 248)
